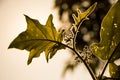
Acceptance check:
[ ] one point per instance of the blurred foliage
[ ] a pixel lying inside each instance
(89, 30)
(91, 26)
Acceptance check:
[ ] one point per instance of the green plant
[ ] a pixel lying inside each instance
(40, 38)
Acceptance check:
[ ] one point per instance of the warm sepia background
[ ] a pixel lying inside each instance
(13, 62)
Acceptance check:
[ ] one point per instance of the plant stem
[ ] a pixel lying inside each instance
(75, 51)
(75, 35)
(108, 61)
(86, 65)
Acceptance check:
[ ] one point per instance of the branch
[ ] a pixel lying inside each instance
(86, 65)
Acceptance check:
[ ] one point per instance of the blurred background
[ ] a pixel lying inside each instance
(13, 62)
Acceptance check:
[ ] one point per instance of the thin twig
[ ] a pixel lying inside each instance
(86, 65)
(75, 50)
(75, 35)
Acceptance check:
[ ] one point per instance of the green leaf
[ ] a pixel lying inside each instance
(83, 16)
(38, 38)
(114, 70)
(109, 35)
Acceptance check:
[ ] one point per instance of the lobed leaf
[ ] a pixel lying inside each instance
(109, 35)
(38, 38)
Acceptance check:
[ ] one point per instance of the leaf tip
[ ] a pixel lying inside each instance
(29, 61)
(95, 3)
(47, 60)
(75, 19)
(11, 45)
(50, 16)
(27, 17)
